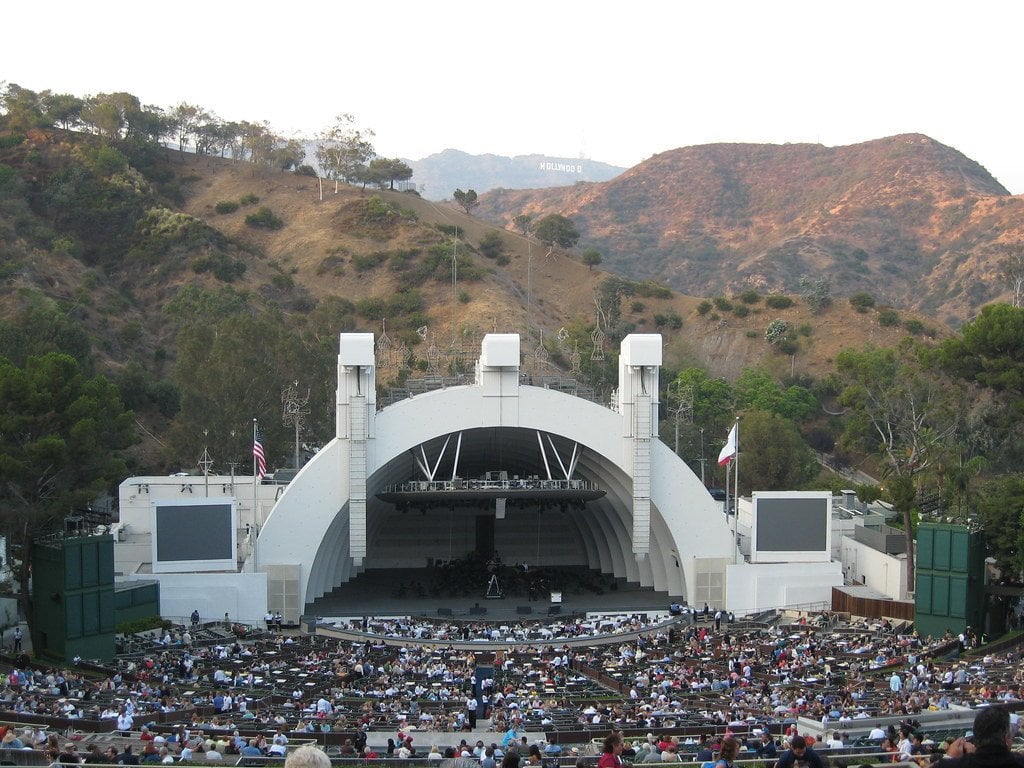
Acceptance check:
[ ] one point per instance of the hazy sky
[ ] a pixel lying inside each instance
(616, 82)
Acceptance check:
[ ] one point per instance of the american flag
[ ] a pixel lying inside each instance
(259, 456)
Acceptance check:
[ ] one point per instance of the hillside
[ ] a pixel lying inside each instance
(905, 218)
(438, 175)
(202, 286)
(328, 250)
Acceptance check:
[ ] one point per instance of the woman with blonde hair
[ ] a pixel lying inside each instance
(309, 756)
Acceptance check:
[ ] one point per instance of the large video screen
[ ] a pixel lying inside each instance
(791, 526)
(194, 535)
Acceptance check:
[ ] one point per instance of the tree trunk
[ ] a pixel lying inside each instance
(24, 575)
(908, 534)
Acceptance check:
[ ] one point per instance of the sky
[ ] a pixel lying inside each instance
(613, 82)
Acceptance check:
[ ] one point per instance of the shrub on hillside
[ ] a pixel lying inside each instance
(249, 199)
(333, 265)
(226, 206)
(364, 262)
(775, 331)
(378, 209)
(222, 266)
(670, 319)
(491, 245)
(651, 289)
(704, 307)
(862, 301)
(888, 318)
(264, 218)
(779, 301)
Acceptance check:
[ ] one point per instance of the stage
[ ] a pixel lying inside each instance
(408, 592)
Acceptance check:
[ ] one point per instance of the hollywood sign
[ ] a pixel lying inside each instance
(564, 167)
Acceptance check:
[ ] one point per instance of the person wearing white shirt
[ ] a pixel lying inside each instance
(124, 721)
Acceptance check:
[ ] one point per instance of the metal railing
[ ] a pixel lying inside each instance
(515, 484)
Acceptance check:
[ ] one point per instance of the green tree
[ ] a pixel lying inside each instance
(903, 410)
(23, 107)
(756, 389)
(867, 493)
(233, 370)
(113, 116)
(609, 299)
(387, 170)
(1011, 268)
(862, 301)
(713, 399)
(491, 245)
(43, 328)
(1000, 507)
(555, 229)
(60, 436)
(773, 455)
(286, 154)
(466, 200)
(817, 293)
(591, 257)
(343, 150)
(990, 349)
(522, 222)
(185, 120)
(62, 109)
(956, 473)
(211, 137)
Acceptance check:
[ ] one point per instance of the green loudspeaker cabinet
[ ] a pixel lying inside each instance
(73, 597)
(950, 579)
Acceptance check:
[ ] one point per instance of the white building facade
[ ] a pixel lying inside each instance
(655, 524)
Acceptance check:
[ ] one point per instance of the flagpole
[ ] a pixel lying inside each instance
(255, 486)
(736, 494)
(727, 473)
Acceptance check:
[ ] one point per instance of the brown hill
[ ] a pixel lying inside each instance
(344, 247)
(905, 218)
(562, 291)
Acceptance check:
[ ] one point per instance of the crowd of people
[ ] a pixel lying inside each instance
(691, 684)
(523, 633)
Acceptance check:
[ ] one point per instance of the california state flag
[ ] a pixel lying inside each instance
(729, 449)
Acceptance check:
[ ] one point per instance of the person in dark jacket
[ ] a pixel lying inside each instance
(766, 748)
(799, 755)
(991, 745)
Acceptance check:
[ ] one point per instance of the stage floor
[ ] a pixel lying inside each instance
(381, 593)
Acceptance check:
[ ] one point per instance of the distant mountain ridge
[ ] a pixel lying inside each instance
(440, 174)
(914, 222)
